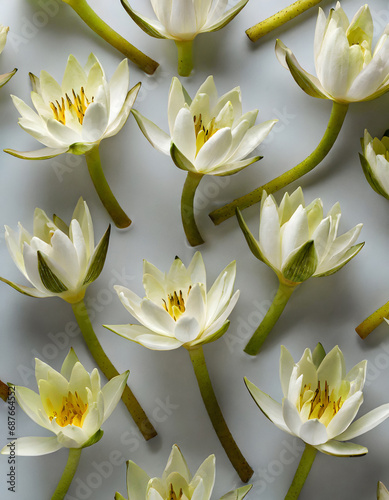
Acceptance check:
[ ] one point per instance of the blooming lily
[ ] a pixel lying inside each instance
(319, 406)
(58, 260)
(70, 404)
(3, 40)
(62, 261)
(182, 21)
(76, 116)
(375, 163)
(347, 69)
(176, 482)
(297, 242)
(209, 135)
(178, 311)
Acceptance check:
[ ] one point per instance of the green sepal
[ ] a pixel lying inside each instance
(301, 264)
(98, 259)
(94, 439)
(35, 83)
(118, 496)
(49, 279)
(4, 391)
(370, 177)
(300, 77)
(352, 253)
(180, 160)
(229, 16)
(140, 21)
(61, 224)
(318, 355)
(215, 336)
(187, 97)
(25, 290)
(238, 494)
(251, 241)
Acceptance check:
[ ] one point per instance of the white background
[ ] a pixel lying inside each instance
(148, 186)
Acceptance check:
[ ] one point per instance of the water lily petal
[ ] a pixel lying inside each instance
(270, 408)
(365, 423)
(338, 449)
(34, 446)
(157, 138)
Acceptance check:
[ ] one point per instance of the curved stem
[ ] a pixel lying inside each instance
(106, 196)
(89, 16)
(338, 114)
(374, 320)
(283, 294)
(187, 209)
(302, 472)
(68, 474)
(282, 17)
(105, 365)
(185, 59)
(219, 424)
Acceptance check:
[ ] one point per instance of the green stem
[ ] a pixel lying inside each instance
(68, 474)
(302, 472)
(187, 209)
(282, 17)
(185, 59)
(105, 365)
(283, 294)
(106, 196)
(338, 114)
(89, 16)
(374, 320)
(219, 424)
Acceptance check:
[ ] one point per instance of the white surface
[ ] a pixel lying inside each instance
(148, 186)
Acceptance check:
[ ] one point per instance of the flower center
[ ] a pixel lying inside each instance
(203, 134)
(175, 304)
(72, 411)
(320, 404)
(173, 495)
(77, 104)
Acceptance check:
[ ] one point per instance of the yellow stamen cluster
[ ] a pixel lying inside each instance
(203, 133)
(320, 404)
(173, 495)
(175, 304)
(77, 104)
(73, 410)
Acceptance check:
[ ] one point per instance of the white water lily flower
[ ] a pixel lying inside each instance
(177, 310)
(58, 260)
(183, 20)
(208, 135)
(176, 483)
(76, 116)
(382, 492)
(3, 40)
(297, 242)
(321, 401)
(375, 163)
(71, 404)
(346, 67)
